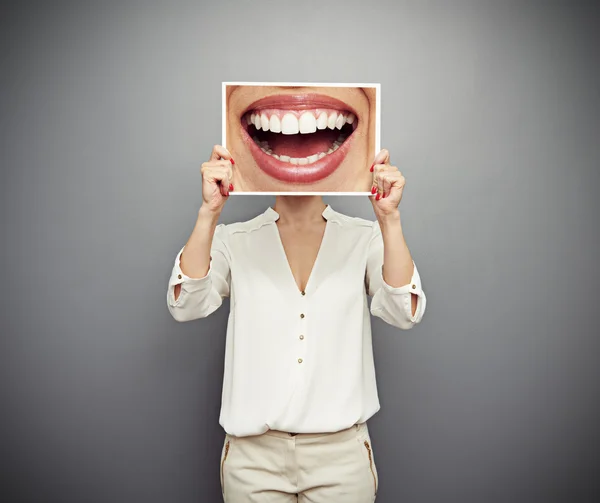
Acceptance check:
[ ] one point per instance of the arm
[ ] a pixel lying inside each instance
(201, 277)
(393, 279)
(196, 262)
(392, 275)
(398, 265)
(201, 274)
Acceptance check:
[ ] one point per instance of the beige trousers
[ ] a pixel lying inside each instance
(277, 467)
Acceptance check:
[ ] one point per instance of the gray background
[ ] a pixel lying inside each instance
(491, 109)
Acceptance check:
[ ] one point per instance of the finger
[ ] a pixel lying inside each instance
(379, 170)
(217, 170)
(211, 165)
(220, 175)
(396, 180)
(385, 185)
(396, 175)
(378, 180)
(391, 175)
(383, 157)
(222, 178)
(225, 185)
(220, 152)
(226, 181)
(222, 189)
(381, 167)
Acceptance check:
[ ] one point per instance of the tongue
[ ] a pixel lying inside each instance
(302, 145)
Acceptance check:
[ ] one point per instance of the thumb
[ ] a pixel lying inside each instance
(383, 157)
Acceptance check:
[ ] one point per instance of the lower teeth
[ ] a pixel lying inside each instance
(264, 146)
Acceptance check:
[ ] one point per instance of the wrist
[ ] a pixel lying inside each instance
(208, 215)
(391, 220)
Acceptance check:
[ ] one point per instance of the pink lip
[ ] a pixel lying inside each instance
(299, 102)
(292, 173)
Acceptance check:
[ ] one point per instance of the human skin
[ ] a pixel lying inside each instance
(339, 171)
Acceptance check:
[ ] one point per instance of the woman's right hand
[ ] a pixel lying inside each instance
(216, 179)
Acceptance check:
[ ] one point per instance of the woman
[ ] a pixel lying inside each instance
(299, 381)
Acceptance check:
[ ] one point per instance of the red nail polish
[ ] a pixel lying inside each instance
(373, 190)
(377, 197)
(384, 195)
(230, 187)
(232, 161)
(372, 166)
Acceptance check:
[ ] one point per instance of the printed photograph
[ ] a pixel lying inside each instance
(301, 138)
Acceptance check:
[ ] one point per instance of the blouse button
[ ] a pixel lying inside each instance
(179, 276)
(299, 360)
(301, 337)
(303, 292)
(414, 287)
(302, 315)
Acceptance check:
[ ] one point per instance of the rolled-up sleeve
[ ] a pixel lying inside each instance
(392, 305)
(200, 297)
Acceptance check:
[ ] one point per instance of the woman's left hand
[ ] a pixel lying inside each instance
(388, 184)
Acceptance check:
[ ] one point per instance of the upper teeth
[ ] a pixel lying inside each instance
(274, 124)
(289, 124)
(307, 122)
(294, 123)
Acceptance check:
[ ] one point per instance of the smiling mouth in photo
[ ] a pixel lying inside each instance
(299, 138)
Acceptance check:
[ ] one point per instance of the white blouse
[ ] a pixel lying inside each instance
(296, 361)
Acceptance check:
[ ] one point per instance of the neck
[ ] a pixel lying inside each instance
(299, 209)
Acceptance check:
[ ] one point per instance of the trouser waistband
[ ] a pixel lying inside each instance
(288, 434)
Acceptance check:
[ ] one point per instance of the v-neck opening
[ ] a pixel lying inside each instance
(317, 258)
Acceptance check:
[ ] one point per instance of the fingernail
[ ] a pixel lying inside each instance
(373, 190)
(230, 187)
(372, 166)
(378, 196)
(384, 195)
(232, 161)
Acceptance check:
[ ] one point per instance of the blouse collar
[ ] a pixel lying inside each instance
(272, 216)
